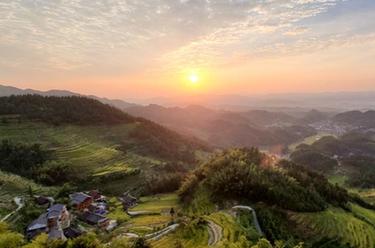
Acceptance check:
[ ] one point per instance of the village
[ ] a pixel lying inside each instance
(91, 211)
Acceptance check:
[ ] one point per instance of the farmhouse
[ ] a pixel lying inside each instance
(52, 222)
(95, 219)
(128, 200)
(80, 201)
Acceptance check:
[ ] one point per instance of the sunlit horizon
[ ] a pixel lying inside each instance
(127, 49)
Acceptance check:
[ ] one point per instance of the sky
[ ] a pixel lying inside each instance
(151, 48)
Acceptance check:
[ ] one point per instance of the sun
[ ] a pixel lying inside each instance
(193, 78)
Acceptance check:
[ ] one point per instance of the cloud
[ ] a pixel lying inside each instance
(97, 36)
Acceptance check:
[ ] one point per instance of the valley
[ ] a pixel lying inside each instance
(188, 193)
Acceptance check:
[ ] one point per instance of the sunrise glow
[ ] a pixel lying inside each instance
(193, 79)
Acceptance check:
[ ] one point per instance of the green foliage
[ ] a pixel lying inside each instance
(57, 173)
(88, 240)
(314, 160)
(8, 238)
(353, 151)
(140, 243)
(120, 243)
(163, 183)
(27, 214)
(363, 174)
(21, 159)
(274, 223)
(246, 175)
(117, 211)
(337, 224)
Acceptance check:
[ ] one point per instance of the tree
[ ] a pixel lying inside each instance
(85, 241)
(141, 243)
(9, 239)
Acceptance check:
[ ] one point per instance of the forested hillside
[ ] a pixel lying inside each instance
(351, 156)
(50, 139)
(292, 203)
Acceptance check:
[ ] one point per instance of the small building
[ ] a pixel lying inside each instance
(80, 201)
(58, 216)
(72, 233)
(95, 219)
(42, 200)
(51, 222)
(128, 200)
(37, 227)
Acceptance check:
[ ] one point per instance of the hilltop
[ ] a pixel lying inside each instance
(292, 203)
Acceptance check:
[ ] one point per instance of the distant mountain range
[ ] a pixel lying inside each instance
(268, 127)
(227, 128)
(337, 102)
(9, 90)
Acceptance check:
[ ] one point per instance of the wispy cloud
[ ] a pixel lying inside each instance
(72, 35)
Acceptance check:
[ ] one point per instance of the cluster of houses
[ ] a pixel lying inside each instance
(89, 207)
(55, 222)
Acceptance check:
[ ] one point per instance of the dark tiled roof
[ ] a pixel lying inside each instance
(42, 200)
(55, 210)
(93, 218)
(39, 223)
(78, 198)
(71, 232)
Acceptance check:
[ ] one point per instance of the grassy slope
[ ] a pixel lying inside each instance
(337, 223)
(92, 149)
(12, 186)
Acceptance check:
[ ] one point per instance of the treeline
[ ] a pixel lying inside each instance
(22, 159)
(247, 175)
(62, 110)
(34, 162)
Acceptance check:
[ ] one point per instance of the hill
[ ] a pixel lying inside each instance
(356, 119)
(104, 144)
(350, 155)
(9, 90)
(291, 202)
(225, 129)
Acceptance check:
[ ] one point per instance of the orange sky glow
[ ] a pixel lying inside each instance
(128, 49)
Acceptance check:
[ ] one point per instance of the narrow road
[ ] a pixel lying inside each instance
(156, 235)
(215, 233)
(18, 200)
(137, 213)
(255, 219)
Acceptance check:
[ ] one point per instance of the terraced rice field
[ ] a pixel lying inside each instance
(197, 240)
(96, 150)
(161, 203)
(367, 194)
(366, 214)
(231, 229)
(159, 207)
(335, 222)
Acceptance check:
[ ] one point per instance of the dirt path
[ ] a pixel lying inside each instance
(215, 233)
(137, 213)
(19, 201)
